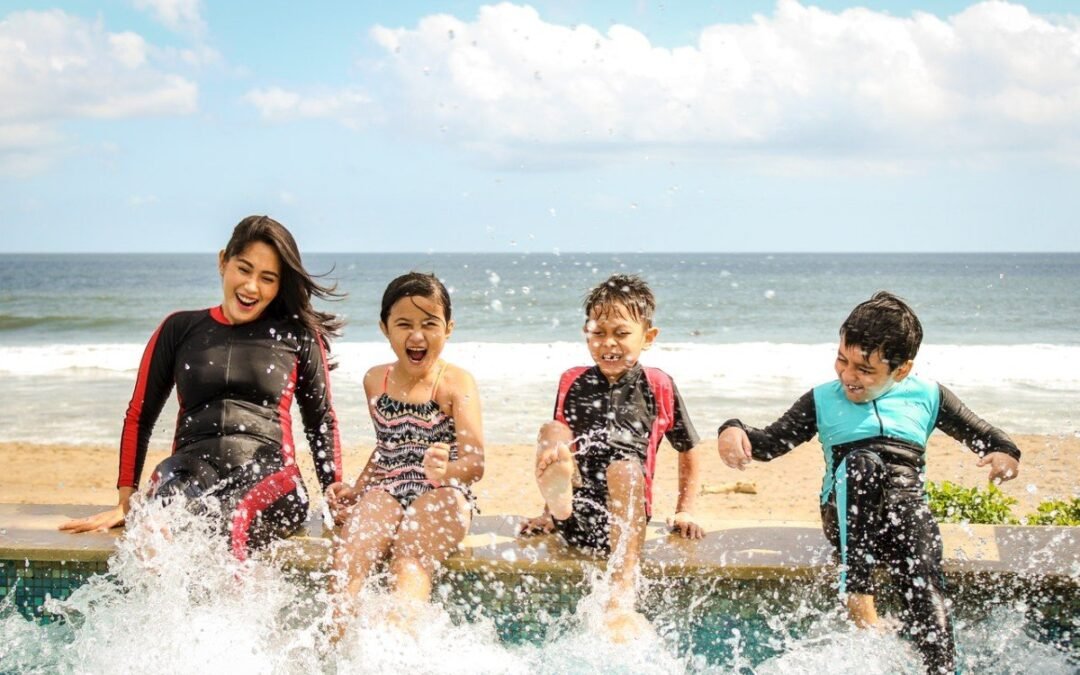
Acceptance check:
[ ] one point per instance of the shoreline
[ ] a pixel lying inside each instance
(786, 488)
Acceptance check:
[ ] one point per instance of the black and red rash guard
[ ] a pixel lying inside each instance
(235, 386)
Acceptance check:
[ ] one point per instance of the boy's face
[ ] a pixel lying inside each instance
(865, 377)
(616, 339)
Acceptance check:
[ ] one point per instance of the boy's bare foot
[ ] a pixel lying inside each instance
(554, 475)
(624, 625)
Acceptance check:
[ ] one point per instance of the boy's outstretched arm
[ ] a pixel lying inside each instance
(689, 485)
(993, 445)
(738, 444)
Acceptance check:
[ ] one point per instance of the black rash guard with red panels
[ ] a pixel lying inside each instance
(235, 385)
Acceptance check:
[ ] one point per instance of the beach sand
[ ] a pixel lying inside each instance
(786, 488)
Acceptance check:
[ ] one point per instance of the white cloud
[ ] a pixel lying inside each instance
(182, 16)
(800, 83)
(26, 149)
(58, 66)
(351, 107)
(55, 67)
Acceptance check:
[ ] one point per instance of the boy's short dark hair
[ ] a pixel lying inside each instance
(627, 290)
(886, 323)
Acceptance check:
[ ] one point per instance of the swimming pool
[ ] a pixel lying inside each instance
(525, 607)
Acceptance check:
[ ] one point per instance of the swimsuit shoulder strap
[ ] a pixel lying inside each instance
(438, 378)
(386, 378)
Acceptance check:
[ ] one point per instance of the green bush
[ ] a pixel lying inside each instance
(952, 503)
(1057, 512)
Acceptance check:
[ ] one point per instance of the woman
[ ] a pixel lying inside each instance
(237, 368)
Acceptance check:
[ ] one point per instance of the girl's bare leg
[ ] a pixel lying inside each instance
(365, 540)
(431, 530)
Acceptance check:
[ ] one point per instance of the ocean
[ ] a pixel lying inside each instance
(743, 335)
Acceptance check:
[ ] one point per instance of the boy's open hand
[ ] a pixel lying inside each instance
(1002, 467)
(436, 459)
(339, 497)
(734, 447)
(683, 524)
(542, 524)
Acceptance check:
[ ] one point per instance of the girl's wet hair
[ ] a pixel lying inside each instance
(415, 284)
(629, 291)
(887, 323)
(296, 285)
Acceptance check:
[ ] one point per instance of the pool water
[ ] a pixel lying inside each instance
(190, 607)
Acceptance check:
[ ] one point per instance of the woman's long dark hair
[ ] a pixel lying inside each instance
(297, 285)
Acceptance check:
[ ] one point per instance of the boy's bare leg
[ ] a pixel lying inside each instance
(626, 504)
(431, 530)
(555, 468)
(861, 609)
(365, 540)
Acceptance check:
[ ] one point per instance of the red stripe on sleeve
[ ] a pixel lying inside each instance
(288, 449)
(129, 438)
(568, 378)
(664, 393)
(330, 404)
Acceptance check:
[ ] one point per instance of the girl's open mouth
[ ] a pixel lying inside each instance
(415, 354)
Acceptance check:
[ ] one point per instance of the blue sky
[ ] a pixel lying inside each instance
(154, 125)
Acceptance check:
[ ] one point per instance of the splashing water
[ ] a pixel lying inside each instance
(175, 600)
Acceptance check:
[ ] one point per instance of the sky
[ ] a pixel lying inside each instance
(561, 125)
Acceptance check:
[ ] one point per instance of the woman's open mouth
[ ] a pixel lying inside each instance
(245, 302)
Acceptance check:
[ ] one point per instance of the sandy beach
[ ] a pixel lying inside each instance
(786, 488)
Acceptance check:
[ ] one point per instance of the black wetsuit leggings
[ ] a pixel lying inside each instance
(892, 528)
(260, 502)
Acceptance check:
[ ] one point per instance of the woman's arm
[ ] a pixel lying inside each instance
(153, 384)
(317, 410)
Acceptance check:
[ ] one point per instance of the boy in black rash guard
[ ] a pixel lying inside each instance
(237, 368)
(873, 422)
(595, 461)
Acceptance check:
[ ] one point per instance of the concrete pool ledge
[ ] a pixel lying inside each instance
(733, 548)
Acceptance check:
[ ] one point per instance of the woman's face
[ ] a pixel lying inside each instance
(250, 280)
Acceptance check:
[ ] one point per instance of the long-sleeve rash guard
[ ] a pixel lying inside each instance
(235, 386)
(897, 424)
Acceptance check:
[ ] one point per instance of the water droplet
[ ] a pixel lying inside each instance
(770, 294)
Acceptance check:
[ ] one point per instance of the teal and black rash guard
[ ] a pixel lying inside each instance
(897, 424)
(873, 507)
(235, 385)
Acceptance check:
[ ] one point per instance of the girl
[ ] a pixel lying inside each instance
(411, 504)
(236, 368)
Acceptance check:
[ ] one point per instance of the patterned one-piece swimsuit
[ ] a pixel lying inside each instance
(403, 433)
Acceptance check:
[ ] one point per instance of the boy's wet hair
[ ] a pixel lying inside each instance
(886, 323)
(415, 284)
(627, 290)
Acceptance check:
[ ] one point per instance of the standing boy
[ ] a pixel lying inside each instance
(595, 461)
(873, 422)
